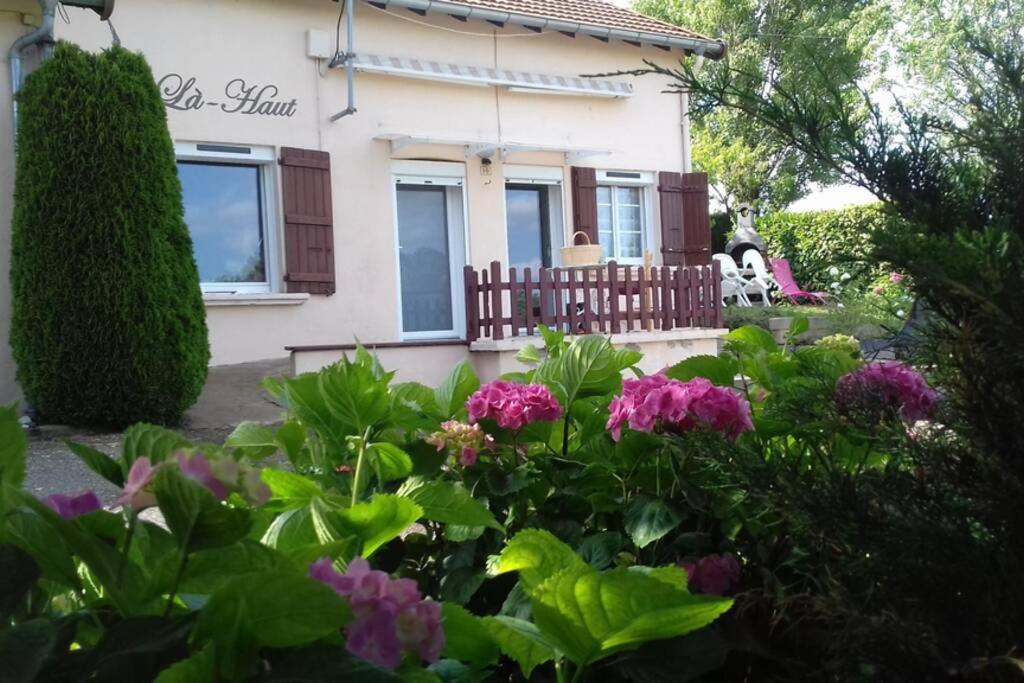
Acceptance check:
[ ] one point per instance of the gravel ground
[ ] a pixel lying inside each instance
(232, 395)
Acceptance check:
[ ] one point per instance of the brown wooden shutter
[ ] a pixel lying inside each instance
(584, 202)
(696, 220)
(308, 221)
(670, 189)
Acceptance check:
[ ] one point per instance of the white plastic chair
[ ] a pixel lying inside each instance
(733, 283)
(762, 282)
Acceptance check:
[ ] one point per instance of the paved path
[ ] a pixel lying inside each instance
(232, 395)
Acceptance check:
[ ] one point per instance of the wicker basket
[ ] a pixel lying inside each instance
(581, 254)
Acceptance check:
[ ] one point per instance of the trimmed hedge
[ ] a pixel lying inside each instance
(815, 241)
(108, 324)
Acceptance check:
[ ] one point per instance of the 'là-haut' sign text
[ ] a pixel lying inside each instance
(184, 94)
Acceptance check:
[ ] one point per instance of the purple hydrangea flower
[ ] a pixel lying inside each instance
(887, 387)
(70, 507)
(391, 615)
(713, 574)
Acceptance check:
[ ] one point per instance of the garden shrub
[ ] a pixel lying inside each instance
(815, 241)
(108, 325)
(560, 524)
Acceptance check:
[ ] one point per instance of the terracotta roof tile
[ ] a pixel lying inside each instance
(594, 12)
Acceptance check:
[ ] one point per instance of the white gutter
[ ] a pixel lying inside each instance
(713, 49)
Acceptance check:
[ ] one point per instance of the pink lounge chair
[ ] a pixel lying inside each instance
(790, 289)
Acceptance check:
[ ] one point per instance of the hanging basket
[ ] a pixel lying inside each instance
(581, 254)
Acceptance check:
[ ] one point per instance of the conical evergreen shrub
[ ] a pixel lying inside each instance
(108, 320)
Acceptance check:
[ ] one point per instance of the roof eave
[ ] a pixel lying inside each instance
(712, 49)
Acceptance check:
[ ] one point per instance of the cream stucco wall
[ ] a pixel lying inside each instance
(264, 42)
(430, 365)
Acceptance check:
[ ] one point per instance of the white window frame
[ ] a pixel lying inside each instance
(645, 181)
(266, 159)
(436, 174)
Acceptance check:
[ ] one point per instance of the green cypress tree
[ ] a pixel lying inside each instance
(108, 320)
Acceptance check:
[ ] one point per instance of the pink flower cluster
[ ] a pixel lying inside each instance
(655, 401)
(463, 439)
(391, 615)
(70, 507)
(886, 387)
(513, 405)
(713, 574)
(220, 476)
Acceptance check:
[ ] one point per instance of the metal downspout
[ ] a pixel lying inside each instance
(42, 35)
(348, 57)
(684, 105)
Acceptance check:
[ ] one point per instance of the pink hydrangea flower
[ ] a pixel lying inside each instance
(70, 507)
(468, 457)
(656, 401)
(198, 469)
(137, 492)
(887, 387)
(512, 405)
(463, 440)
(713, 574)
(895, 277)
(391, 615)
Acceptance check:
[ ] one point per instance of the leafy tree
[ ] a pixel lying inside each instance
(792, 44)
(942, 150)
(108, 324)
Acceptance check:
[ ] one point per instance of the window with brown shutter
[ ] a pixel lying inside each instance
(685, 221)
(670, 191)
(308, 221)
(584, 202)
(696, 219)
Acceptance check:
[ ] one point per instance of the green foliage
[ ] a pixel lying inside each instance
(556, 553)
(648, 519)
(108, 325)
(12, 447)
(815, 241)
(586, 615)
(795, 44)
(197, 520)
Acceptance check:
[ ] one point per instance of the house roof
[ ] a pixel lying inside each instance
(596, 18)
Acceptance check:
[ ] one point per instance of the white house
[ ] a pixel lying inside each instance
(338, 190)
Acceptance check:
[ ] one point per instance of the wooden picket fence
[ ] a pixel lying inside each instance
(607, 299)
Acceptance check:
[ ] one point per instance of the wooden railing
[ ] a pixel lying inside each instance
(593, 299)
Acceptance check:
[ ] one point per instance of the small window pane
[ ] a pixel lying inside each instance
(631, 244)
(607, 240)
(604, 217)
(629, 218)
(628, 195)
(224, 213)
(604, 194)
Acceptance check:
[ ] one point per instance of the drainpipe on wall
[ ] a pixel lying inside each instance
(684, 105)
(43, 37)
(348, 59)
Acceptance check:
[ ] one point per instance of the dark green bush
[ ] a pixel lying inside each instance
(721, 231)
(815, 241)
(108, 324)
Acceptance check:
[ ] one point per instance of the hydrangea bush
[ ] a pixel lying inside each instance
(539, 526)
